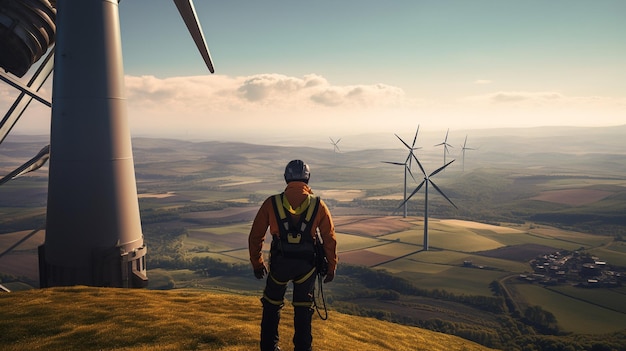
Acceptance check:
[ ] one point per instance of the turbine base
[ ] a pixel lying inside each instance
(109, 268)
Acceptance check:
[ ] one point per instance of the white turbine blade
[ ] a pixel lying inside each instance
(411, 173)
(440, 169)
(415, 138)
(408, 159)
(394, 163)
(405, 144)
(419, 164)
(413, 193)
(442, 194)
(188, 13)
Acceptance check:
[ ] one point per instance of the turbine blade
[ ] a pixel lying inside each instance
(394, 163)
(442, 194)
(405, 144)
(415, 138)
(411, 173)
(413, 193)
(440, 169)
(419, 164)
(188, 13)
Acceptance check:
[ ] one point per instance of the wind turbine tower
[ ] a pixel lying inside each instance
(445, 146)
(407, 165)
(425, 183)
(93, 228)
(464, 147)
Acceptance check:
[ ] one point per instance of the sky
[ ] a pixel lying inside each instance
(346, 67)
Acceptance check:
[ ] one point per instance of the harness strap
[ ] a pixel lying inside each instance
(304, 226)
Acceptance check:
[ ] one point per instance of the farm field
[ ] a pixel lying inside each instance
(575, 314)
(372, 242)
(198, 200)
(393, 244)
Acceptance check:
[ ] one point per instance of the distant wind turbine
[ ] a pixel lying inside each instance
(335, 146)
(407, 169)
(411, 148)
(425, 183)
(406, 164)
(445, 146)
(463, 151)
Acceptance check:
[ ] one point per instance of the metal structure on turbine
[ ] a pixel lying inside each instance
(31, 165)
(445, 146)
(407, 165)
(425, 183)
(335, 146)
(93, 228)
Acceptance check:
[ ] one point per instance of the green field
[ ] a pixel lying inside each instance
(442, 267)
(573, 314)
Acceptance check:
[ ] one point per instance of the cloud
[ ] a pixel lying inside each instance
(257, 101)
(263, 91)
(211, 106)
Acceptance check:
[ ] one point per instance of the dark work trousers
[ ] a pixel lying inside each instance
(302, 274)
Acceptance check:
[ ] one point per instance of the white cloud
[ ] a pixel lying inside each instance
(264, 101)
(216, 105)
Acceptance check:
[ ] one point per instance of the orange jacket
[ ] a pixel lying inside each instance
(296, 192)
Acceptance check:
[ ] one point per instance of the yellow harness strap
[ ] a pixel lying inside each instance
(283, 204)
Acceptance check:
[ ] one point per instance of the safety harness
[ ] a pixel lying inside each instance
(295, 240)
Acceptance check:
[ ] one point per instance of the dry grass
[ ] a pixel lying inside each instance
(84, 318)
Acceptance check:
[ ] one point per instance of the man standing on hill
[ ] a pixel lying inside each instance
(294, 217)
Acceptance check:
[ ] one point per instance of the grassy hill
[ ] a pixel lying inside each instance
(82, 318)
